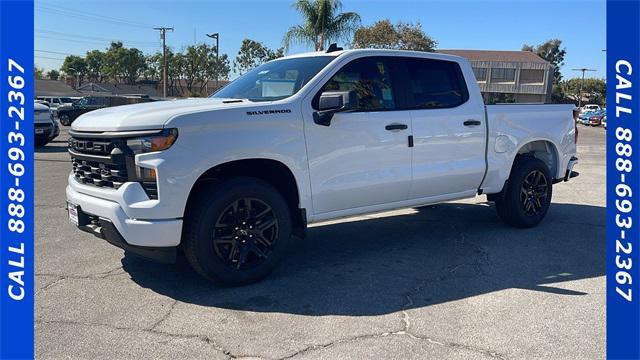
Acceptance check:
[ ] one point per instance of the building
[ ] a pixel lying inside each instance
(510, 76)
(55, 88)
(120, 89)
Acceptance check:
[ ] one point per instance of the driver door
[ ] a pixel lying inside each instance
(362, 158)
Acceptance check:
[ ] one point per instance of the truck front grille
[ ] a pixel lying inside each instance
(99, 162)
(99, 173)
(106, 163)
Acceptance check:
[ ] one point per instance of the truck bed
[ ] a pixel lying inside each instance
(549, 127)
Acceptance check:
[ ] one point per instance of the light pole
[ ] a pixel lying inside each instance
(582, 83)
(163, 32)
(217, 37)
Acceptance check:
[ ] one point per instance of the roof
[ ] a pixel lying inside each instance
(496, 55)
(54, 88)
(377, 52)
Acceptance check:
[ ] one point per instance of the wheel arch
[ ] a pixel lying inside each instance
(274, 172)
(542, 149)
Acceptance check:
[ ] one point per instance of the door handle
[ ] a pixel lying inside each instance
(392, 127)
(471, 122)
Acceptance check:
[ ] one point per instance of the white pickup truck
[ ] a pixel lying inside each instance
(229, 179)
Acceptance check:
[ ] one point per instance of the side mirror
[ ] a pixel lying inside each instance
(332, 102)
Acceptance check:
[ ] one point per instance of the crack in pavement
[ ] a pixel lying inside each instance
(96, 276)
(56, 281)
(454, 345)
(406, 319)
(202, 338)
(165, 317)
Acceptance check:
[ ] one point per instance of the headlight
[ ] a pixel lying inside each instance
(151, 143)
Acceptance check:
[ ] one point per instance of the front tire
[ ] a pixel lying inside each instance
(527, 197)
(236, 231)
(65, 119)
(40, 142)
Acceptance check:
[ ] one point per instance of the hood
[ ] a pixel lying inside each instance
(40, 107)
(145, 116)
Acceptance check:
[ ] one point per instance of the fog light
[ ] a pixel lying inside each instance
(145, 174)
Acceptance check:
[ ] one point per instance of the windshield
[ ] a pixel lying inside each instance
(274, 80)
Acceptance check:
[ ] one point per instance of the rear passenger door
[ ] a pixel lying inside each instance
(448, 127)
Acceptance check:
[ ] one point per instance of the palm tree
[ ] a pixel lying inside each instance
(322, 24)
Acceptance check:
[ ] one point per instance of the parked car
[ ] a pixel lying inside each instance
(604, 121)
(45, 126)
(68, 113)
(584, 117)
(589, 108)
(307, 138)
(42, 102)
(55, 102)
(596, 118)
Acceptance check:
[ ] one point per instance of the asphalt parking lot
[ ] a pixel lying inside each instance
(443, 281)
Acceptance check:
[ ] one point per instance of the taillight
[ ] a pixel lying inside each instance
(576, 113)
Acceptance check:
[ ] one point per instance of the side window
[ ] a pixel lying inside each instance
(370, 78)
(436, 84)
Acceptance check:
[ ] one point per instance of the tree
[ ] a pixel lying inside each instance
(551, 51)
(195, 65)
(199, 65)
(153, 68)
(252, 54)
(220, 68)
(133, 65)
(593, 92)
(38, 73)
(113, 67)
(53, 74)
(95, 60)
(402, 36)
(175, 69)
(75, 66)
(123, 65)
(322, 24)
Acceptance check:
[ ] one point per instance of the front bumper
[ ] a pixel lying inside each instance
(105, 229)
(110, 221)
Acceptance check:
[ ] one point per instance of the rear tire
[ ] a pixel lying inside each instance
(236, 231)
(527, 196)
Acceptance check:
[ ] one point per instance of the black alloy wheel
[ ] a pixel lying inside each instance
(526, 197)
(236, 230)
(245, 233)
(65, 120)
(534, 192)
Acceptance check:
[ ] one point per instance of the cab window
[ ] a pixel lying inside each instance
(370, 78)
(435, 84)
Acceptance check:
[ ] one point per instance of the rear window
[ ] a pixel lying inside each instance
(436, 84)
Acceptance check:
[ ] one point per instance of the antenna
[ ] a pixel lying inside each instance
(333, 47)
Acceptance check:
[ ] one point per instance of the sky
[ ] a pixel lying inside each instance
(64, 27)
